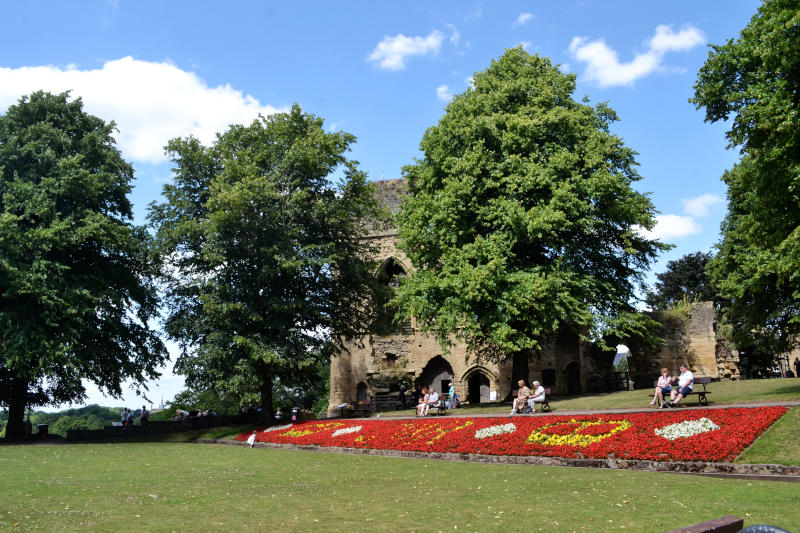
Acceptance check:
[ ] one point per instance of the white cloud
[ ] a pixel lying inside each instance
(666, 40)
(526, 45)
(476, 14)
(455, 35)
(150, 102)
(672, 226)
(444, 93)
(392, 52)
(604, 67)
(522, 19)
(700, 206)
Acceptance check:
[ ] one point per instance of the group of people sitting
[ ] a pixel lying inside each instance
(677, 387)
(527, 397)
(181, 414)
(430, 398)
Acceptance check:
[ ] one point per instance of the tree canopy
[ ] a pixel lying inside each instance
(684, 278)
(76, 291)
(521, 217)
(754, 81)
(269, 268)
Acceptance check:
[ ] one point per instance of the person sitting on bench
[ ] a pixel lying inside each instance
(685, 384)
(423, 401)
(538, 396)
(522, 396)
(663, 386)
(433, 400)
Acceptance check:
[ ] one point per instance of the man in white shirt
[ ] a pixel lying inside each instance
(537, 396)
(685, 384)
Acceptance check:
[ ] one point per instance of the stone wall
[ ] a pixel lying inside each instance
(567, 365)
(692, 339)
(376, 360)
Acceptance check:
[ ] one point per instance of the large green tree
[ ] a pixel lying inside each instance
(521, 217)
(754, 81)
(75, 275)
(684, 278)
(270, 270)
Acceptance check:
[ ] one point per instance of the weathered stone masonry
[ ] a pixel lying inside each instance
(568, 366)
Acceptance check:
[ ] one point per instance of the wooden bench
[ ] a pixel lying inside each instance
(441, 407)
(702, 398)
(546, 403)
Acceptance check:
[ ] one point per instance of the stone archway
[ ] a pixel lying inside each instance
(437, 373)
(479, 384)
(390, 275)
(361, 392)
(573, 373)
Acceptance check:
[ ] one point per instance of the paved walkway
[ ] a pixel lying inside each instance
(616, 410)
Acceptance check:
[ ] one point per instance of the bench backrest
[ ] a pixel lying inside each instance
(701, 381)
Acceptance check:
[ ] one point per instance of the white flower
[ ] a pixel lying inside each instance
(345, 431)
(493, 431)
(688, 428)
(277, 428)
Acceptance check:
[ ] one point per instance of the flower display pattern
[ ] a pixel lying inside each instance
(577, 433)
(687, 428)
(345, 431)
(629, 436)
(493, 431)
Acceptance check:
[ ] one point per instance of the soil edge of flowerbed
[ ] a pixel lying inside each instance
(755, 471)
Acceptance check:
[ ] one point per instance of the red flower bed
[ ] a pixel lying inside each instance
(631, 436)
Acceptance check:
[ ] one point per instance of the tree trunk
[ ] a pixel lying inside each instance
(267, 416)
(519, 369)
(15, 429)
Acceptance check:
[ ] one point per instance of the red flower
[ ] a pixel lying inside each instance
(629, 436)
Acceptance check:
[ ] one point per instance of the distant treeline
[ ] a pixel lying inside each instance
(89, 417)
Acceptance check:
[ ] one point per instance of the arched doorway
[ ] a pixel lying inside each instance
(573, 371)
(361, 392)
(437, 373)
(478, 388)
(390, 275)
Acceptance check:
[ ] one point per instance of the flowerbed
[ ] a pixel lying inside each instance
(690, 435)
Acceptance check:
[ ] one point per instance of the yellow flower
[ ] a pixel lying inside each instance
(575, 438)
(308, 429)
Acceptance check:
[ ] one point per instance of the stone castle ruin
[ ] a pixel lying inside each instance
(381, 363)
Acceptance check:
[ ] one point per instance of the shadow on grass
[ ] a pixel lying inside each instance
(793, 389)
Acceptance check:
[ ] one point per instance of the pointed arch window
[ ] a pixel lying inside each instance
(390, 276)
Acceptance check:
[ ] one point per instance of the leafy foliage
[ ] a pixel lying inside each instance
(88, 417)
(684, 279)
(75, 275)
(754, 81)
(521, 218)
(269, 271)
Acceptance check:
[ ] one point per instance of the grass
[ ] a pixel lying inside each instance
(723, 392)
(177, 487)
(779, 445)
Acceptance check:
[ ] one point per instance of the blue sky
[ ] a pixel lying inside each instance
(382, 71)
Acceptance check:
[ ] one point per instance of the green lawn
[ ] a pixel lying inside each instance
(780, 445)
(180, 487)
(723, 392)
